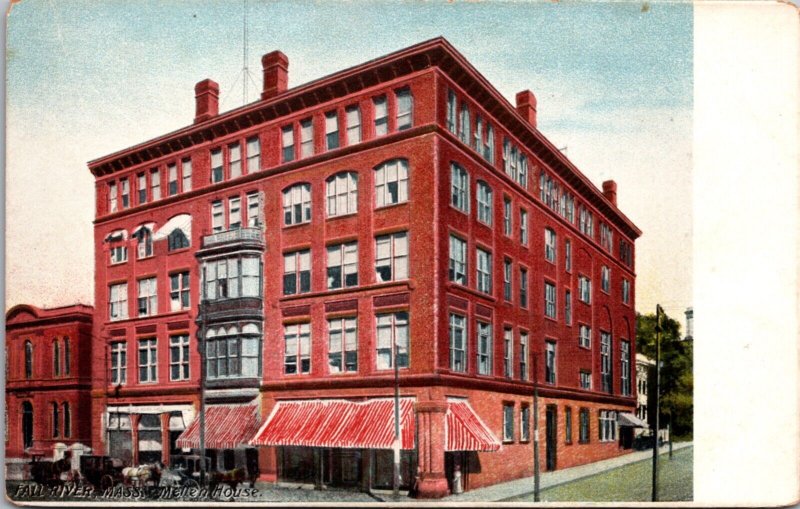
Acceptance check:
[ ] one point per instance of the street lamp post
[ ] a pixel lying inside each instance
(201, 347)
(659, 315)
(535, 428)
(396, 473)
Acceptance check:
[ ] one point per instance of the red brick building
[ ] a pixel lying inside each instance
(397, 211)
(48, 382)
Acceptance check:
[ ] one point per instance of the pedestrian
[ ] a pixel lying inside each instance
(414, 491)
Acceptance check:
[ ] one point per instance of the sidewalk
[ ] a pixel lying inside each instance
(517, 487)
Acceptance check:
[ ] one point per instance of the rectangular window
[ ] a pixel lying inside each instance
(568, 255)
(172, 179)
(508, 352)
(179, 291)
(512, 162)
(155, 184)
(119, 363)
(148, 297)
(392, 340)
(253, 210)
(606, 237)
(343, 265)
(549, 300)
(342, 345)
(608, 425)
(287, 143)
(187, 175)
(625, 368)
(297, 354)
(148, 360)
(550, 362)
(484, 271)
(507, 216)
(234, 213)
(179, 357)
(583, 416)
(459, 186)
(118, 301)
(586, 380)
(488, 148)
(217, 171)
(605, 361)
(342, 193)
(465, 125)
(522, 176)
(391, 183)
(458, 343)
(523, 227)
(484, 348)
(391, 257)
(253, 154)
(381, 115)
(568, 425)
(306, 138)
(404, 108)
(585, 336)
(125, 191)
(549, 245)
(523, 288)
(523, 355)
(458, 260)
(625, 253)
(141, 187)
(331, 130)
(353, 114)
(525, 424)
(605, 279)
(451, 111)
(626, 291)
(297, 272)
(484, 203)
(508, 422)
(585, 289)
(507, 275)
(297, 204)
(477, 143)
(568, 307)
(112, 197)
(119, 253)
(217, 217)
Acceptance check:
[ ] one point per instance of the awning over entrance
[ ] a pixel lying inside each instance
(626, 419)
(227, 427)
(466, 431)
(338, 423)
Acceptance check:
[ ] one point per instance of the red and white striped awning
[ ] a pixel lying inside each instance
(227, 427)
(338, 423)
(465, 431)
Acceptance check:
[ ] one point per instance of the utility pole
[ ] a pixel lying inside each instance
(535, 428)
(201, 347)
(659, 328)
(396, 476)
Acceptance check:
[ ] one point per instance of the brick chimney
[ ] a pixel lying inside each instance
(526, 106)
(610, 191)
(276, 74)
(206, 96)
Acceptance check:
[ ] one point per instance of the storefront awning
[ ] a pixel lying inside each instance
(226, 427)
(338, 423)
(626, 419)
(466, 431)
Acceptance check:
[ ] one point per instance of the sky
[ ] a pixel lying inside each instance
(87, 78)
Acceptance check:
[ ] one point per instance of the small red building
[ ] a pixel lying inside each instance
(397, 214)
(48, 382)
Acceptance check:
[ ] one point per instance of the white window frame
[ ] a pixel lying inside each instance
(584, 336)
(306, 138)
(186, 175)
(550, 245)
(458, 264)
(483, 270)
(155, 183)
(507, 219)
(332, 140)
(459, 187)
(235, 160)
(568, 255)
(254, 210)
(626, 291)
(568, 307)
(483, 331)
(523, 227)
(217, 168)
(605, 279)
(380, 106)
(172, 179)
(179, 343)
(508, 275)
(585, 289)
(353, 119)
(484, 198)
(234, 213)
(344, 258)
(404, 102)
(217, 217)
(452, 112)
(508, 352)
(391, 175)
(253, 147)
(343, 340)
(606, 371)
(551, 362)
(297, 265)
(341, 191)
(586, 380)
(458, 354)
(550, 300)
(524, 423)
(150, 366)
(398, 342)
(179, 291)
(300, 334)
(297, 204)
(112, 197)
(288, 151)
(523, 287)
(524, 343)
(118, 300)
(392, 251)
(147, 294)
(508, 422)
(119, 362)
(625, 367)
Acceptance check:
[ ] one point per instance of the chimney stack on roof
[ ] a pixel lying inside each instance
(206, 95)
(276, 74)
(526, 106)
(610, 191)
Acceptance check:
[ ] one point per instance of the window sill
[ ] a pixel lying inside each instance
(341, 216)
(344, 291)
(296, 225)
(180, 250)
(551, 318)
(112, 264)
(391, 205)
(144, 258)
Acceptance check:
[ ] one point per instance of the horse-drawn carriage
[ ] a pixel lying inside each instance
(51, 473)
(101, 472)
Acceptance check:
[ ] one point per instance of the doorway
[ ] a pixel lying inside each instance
(551, 435)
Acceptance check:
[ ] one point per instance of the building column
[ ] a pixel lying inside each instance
(165, 446)
(134, 439)
(268, 464)
(431, 422)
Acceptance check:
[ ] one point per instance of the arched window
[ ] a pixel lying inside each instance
(342, 193)
(67, 356)
(27, 424)
(67, 421)
(391, 183)
(177, 240)
(55, 419)
(144, 247)
(297, 204)
(28, 359)
(56, 359)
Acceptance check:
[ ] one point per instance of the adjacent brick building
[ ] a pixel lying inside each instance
(397, 211)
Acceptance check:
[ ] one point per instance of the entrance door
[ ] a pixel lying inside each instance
(27, 425)
(551, 437)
